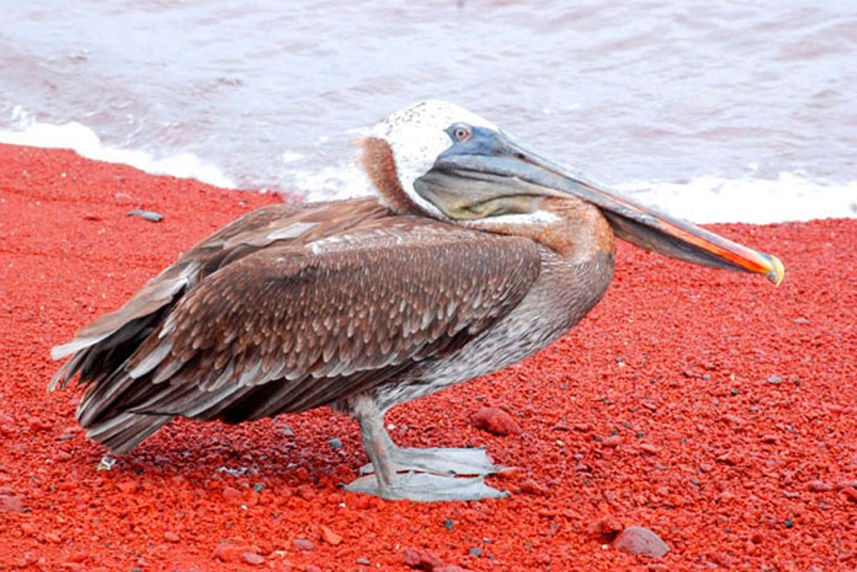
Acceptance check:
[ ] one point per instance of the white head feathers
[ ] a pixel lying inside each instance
(417, 135)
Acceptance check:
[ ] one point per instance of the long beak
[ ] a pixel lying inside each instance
(507, 167)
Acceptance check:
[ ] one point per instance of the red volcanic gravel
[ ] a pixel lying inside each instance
(709, 407)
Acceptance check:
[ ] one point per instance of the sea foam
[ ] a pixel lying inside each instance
(86, 143)
(704, 199)
(712, 198)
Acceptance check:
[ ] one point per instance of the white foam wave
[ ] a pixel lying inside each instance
(86, 143)
(705, 199)
(712, 198)
(333, 183)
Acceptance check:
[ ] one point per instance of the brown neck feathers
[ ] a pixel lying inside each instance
(380, 165)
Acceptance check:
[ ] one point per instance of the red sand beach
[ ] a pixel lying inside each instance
(707, 406)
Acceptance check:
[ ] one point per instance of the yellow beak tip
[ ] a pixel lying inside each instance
(777, 271)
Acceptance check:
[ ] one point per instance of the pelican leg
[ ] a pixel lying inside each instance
(420, 474)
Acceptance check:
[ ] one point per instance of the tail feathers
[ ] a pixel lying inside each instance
(76, 345)
(67, 371)
(125, 431)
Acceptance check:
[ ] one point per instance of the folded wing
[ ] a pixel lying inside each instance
(298, 324)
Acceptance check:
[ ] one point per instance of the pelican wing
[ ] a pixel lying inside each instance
(102, 346)
(292, 327)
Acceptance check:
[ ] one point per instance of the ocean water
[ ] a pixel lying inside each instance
(715, 111)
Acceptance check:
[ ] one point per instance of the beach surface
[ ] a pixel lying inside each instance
(707, 406)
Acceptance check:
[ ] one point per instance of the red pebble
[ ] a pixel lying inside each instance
(303, 543)
(606, 528)
(649, 448)
(252, 558)
(820, 486)
(231, 493)
(642, 541)
(127, 487)
(170, 536)
(849, 493)
(228, 552)
(421, 559)
(496, 421)
(329, 536)
(11, 503)
(306, 492)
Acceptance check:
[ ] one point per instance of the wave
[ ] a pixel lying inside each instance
(86, 143)
(712, 198)
(704, 199)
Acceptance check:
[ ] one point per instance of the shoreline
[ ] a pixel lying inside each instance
(710, 407)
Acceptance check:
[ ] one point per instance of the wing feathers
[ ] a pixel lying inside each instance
(309, 317)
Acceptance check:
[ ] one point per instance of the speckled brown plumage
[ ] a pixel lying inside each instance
(268, 325)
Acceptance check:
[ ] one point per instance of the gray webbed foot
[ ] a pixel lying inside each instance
(426, 487)
(440, 461)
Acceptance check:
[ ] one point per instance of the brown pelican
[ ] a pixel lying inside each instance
(476, 253)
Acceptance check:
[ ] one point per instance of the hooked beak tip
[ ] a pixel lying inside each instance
(777, 271)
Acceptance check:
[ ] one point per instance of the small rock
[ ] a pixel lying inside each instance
(286, 430)
(53, 537)
(127, 487)
(252, 558)
(329, 536)
(146, 215)
(231, 493)
(11, 503)
(448, 524)
(306, 492)
(303, 543)
(228, 552)
(170, 536)
(421, 559)
(849, 493)
(723, 559)
(774, 380)
(612, 441)
(649, 448)
(606, 528)
(820, 486)
(531, 487)
(364, 562)
(642, 541)
(475, 551)
(335, 443)
(496, 421)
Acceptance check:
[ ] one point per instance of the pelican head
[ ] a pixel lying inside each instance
(440, 160)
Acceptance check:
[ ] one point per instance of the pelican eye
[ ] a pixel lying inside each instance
(460, 132)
